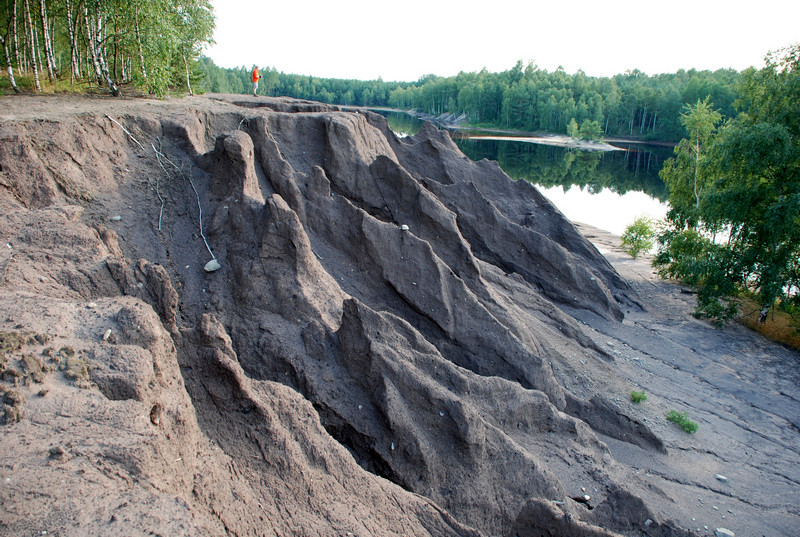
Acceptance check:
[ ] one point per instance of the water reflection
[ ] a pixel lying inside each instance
(619, 171)
(605, 189)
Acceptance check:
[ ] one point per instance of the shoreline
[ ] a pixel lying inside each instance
(554, 140)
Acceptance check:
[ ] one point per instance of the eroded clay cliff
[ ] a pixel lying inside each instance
(385, 350)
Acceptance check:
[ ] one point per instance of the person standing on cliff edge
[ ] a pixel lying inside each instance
(256, 78)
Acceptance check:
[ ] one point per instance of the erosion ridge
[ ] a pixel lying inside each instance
(390, 346)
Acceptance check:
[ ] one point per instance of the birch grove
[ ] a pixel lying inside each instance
(153, 45)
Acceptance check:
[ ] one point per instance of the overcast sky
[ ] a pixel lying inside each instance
(405, 39)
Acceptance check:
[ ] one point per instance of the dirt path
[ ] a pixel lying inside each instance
(740, 388)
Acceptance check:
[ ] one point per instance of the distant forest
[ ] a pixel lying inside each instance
(524, 97)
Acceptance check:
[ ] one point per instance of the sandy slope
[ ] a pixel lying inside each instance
(341, 375)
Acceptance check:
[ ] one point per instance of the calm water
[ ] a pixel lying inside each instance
(604, 189)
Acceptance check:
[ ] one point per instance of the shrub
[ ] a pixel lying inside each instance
(638, 397)
(638, 236)
(682, 421)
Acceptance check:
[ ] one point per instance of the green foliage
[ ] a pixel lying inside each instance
(152, 44)
(590, 130)
(682, 421)
(638, 397)
(572, 128)
(638, 236)
(686, 174)
(525, 97)
(735, 217)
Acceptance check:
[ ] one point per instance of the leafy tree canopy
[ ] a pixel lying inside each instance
(154, 44)
(735, 194)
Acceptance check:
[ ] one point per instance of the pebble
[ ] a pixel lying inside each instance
(212, 266)
(724, 532)
(648, 522)
(116, 218)
(107, 335)
(404, 227)
(721, 478)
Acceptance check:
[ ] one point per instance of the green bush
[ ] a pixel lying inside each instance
(682, 421)
(638, 397)
(638, 236)
(590, 130)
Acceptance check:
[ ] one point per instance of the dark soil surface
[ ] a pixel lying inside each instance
(226, 315)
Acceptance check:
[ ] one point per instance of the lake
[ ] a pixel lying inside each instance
(605, 189)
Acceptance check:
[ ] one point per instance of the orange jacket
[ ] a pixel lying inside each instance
(256, 76)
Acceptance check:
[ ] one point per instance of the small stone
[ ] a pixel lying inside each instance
(724, 532)
(721, 478)
(392, 446)
(404, 227)
(107, 335)
(212, 266)
(648, 522)
(441, 413)
(715, 508)
(116, 218)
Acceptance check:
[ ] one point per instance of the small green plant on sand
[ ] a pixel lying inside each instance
(638, 236)
(638, 397)
(680, 419)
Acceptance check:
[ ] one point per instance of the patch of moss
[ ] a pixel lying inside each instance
(12, 374)
(14, 341)
(11, 402)
(76, 369)
(33, 368)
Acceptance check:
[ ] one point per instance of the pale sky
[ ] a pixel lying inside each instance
(403, 40)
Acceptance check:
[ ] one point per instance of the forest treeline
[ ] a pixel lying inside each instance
(156, 45)
(153, 44)
(524, 97)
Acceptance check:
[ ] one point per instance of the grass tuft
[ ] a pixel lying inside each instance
(682, 421)
(638, 397)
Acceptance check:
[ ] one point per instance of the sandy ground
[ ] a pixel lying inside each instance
(741, 470)
(740, 388)
(556, 140)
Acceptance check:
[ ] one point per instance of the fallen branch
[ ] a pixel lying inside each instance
(161, 158)
(132, 137)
